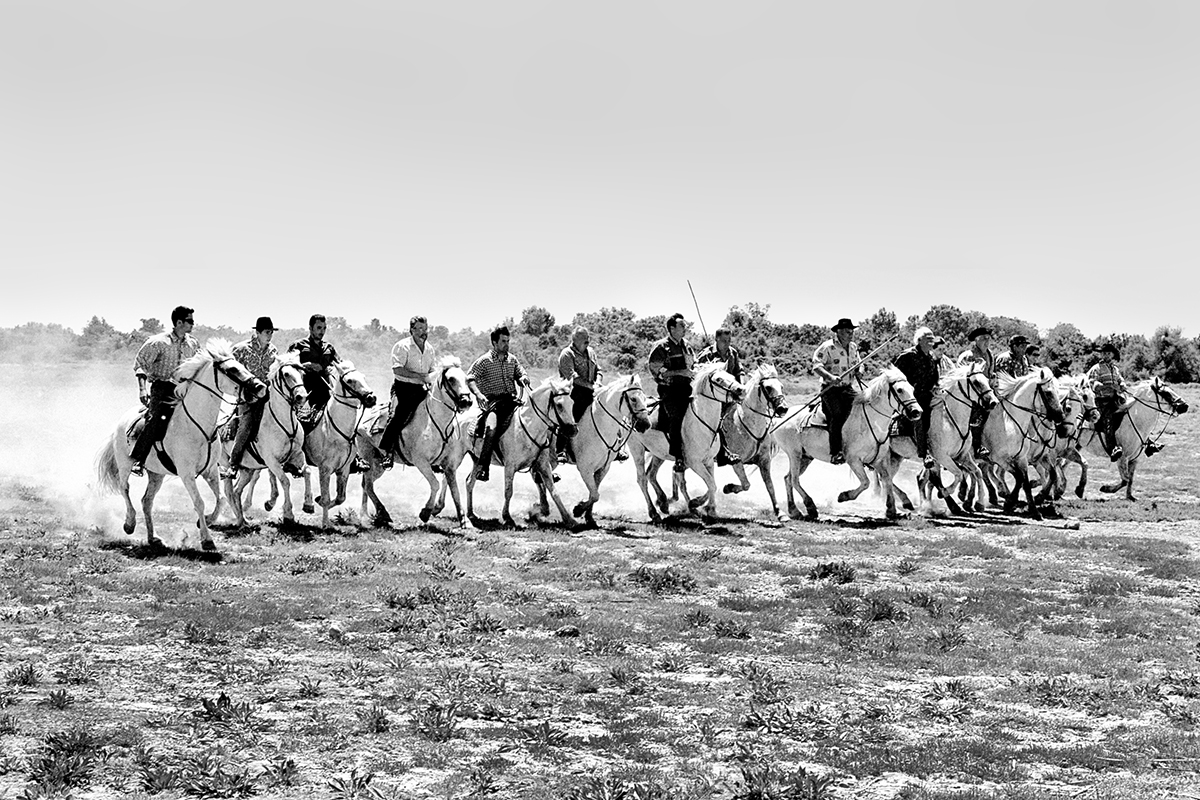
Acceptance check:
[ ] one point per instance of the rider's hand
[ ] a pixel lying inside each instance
(145, 398)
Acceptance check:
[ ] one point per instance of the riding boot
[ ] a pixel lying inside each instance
(724, 456)
(485, 456)
(977, 442)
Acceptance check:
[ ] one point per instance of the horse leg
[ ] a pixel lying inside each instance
(944, 492)
(471, 493)
(154, 482)
(546, 469)
(431, 478)
(709, 502)
(343, 478)
(307, 507)
(248, 495)
(1078, 458)
(860, 472)
(324, 500)
(743, 481)
(639, 468)
(890, 490)
(764, 471)
(591, 481)
(1130, 466)
(450, 480)
(234, 495)
(798, 466)
(509, 472)
(275, 470)
(130, 515)
(213, 479)
(189, 484)
(664, 505)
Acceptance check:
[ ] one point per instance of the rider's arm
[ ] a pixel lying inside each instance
(657, 364)
(473, 386)
(818, 365)
(566, 365)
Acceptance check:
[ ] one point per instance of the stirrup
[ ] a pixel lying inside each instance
(837, 458)
(229, 473)
(137, 469)
(929, 462)
(622, 455)
(386, 461)
(1116, 453)
(680, 465)
(1154, 447)
(481, 473)
(358, 465)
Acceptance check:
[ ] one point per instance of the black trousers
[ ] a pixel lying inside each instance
(673, 404)
(409, 397)
(1109, 420)
(921, 426)
(249, 420)
(159, 410)
(836, 402)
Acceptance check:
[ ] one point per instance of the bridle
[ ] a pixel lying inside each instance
(730, 396)
(905, 403)
(552, 424)
(292, 393)
(218, 367)
(622, 425)
(1032, 410)
(970, 402)
(451, 429)
(760, 388)
(1170, 413)
(359, 410)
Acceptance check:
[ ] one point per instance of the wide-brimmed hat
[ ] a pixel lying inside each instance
(1109, 347)
(264, 324)
(982, 330)
(844, 322)
(1017, 338)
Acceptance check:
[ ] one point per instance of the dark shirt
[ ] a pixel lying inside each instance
(1014, 365)
(733, 362)
(315, 352)
(920, 369)
(671, 362)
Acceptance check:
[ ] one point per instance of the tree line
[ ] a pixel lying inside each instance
(622, 340)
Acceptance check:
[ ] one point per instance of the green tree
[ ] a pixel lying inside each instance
(536, 321)
(1176, 358)
(1066, 348)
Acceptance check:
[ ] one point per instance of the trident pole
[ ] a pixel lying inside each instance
(697, 305)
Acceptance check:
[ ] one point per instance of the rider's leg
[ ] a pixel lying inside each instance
(485, 451)
(979, 418)
(249, 419)
(408, 397)
(835, 402)
(724, 456)
(162, 398)
(921, 433)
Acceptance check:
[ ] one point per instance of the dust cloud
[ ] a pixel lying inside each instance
(57, 416)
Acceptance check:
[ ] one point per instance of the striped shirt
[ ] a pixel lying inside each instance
(1106, 379)
(580, 368)
(258, 360)
(497, 374)
(161, 355)
(837, 359)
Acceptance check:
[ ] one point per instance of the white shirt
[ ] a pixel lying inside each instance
(406, 353)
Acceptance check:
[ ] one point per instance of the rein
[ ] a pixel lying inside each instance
(187, 383)
(450, 430)
(758, 440)
(620, 441)
(359, 410)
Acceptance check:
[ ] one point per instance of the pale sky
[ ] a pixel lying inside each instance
(464, 160)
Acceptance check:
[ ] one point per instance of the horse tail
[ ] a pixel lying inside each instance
(108, 476)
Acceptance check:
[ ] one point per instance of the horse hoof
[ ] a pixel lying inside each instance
(128, 527)
(1079, 492)
(268, 505)
(424, 515)
(308, 508)
(578, 509)
(843, 497)
(732, 488)
(1109, 489)
(208, 545)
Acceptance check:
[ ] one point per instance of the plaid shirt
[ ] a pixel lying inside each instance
(1014, 365)
(580, 368)
(162, 354)
(257, 360)
(497, 374)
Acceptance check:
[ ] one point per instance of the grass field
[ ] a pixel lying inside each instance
(932, 659)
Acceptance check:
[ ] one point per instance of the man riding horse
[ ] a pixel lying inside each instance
(670, 364)
(577, 364)
(921, 369)
(316, 356)
(256, 354)
(979, 357)
(839, 366)
(414, 363)
(1110, 390)
(155, 366)
(1015, 362)
(724, 353)
(493, 379)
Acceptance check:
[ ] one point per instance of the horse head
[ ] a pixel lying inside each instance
(287, 378)
(900, 388)
(721, 379)
(349, 382)
(634, 396)
(979, 386)
(454, 383)
(1047, 389)
(766, 382)
(1164, 392)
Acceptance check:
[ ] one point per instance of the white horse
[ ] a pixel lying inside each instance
(865, 442)
(280, 440)
(188, 448)
(749, 431)
(432, 442)
(526, 444)
(618, 410)
(1015, 433)
(711, 387)
(1079, 410)
(1151, 406)
(330, 445)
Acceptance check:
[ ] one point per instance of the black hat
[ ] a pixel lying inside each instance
(982, 330)
(844, 323)
(264, 324)
(1109, 347)
(1017, 338)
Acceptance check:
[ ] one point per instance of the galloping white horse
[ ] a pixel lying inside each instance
(749, 431)
(330, 445)
(525, 444)
(711, 387)
(432, 441)
(280, 439)
(189, 445)
(864, 440)
(1015, 433)
(1151, 407)
(1079, 408)
(619, 409)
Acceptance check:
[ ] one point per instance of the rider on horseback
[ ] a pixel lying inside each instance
(671, 361)
(577, 363)
(921, 369)
(414, 363)
(493, 379)
(316, 355)
(256, 354)
(979, 356)
(1015, 362)
(155, 366)
(725, 353)
(839, 367)
(1110, 390)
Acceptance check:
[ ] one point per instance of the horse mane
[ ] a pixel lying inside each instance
(763, 372)
(955, 375)
(213, 350)
(878, 386)
(553, 383)
(449, 361)
(704, 370)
